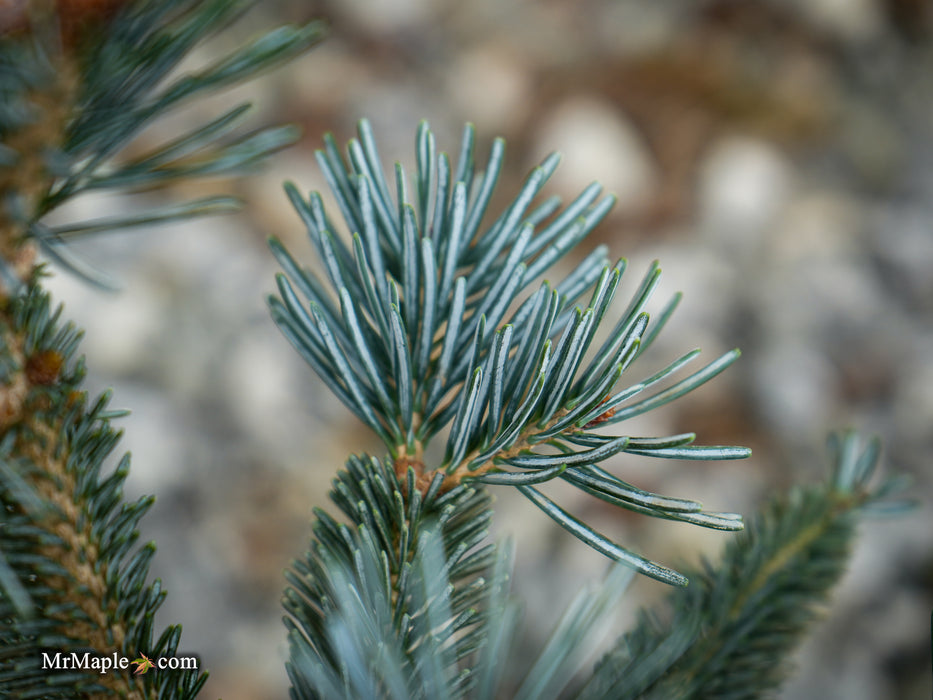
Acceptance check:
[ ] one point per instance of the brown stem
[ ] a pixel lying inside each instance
(452, 479)
(33, 399)
(23, 185)
(36, 403)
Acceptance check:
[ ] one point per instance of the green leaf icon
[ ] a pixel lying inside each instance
(143, 664)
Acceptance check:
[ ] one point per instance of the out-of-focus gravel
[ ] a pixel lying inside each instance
(777, 158)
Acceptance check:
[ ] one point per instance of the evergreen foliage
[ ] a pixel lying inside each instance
(426, 331)
(437, 329)
(397, 594)
(71, 105)
(733, 628)
(74, 92)
(431, 333)
(429, 616)
(727, 635)
(73, 573)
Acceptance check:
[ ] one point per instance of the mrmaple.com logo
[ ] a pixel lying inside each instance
(86, 661)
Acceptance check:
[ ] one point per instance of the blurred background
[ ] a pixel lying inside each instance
(776, 157)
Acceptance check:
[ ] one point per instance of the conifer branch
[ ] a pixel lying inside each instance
(391, 605)
(427, 330)
(74, 92)
(71, 105)
(67, 538)
(436, 326)
(407, 601)
(734, 626)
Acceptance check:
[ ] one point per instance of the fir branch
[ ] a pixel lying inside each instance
(70, 108)
(428, 329)
(71, 576)
(67, 539)
(385, 607)
(406, 602)
(733, 627)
